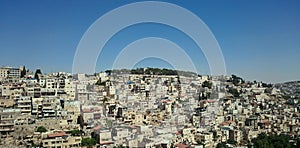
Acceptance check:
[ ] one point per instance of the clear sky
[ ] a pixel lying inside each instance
(260, 40)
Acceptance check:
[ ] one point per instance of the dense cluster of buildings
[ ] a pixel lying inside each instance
(139, 110)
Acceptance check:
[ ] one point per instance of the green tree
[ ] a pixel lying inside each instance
(272, 141)
(236, 80)
(207, 84)
(99, 82)
(36, 75)
(75, 132)
(23, 72)
(89, 142)
(95, 136)
(200, 143)
(222, 145)
(108, 72)
(234, 92)
(298, 141)
(41, 129)
(230, 141)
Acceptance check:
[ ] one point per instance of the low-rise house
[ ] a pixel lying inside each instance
(60, 140)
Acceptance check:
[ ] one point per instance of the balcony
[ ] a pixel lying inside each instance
(3, 124)
(6, 129)
(47, 107)
(24, 106)
(24, 101)
(7, 118)
(48, 111)
(25, 110)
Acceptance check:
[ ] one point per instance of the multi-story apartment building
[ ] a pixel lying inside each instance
(50, 107)
(9, 72)
(7, 118)
(6, 101)
(70, 89)
(14, 72)
(6, 90)
(33, 91)
(3, 73)
(23, 103)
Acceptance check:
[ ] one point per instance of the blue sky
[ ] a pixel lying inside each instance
(260, 40)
